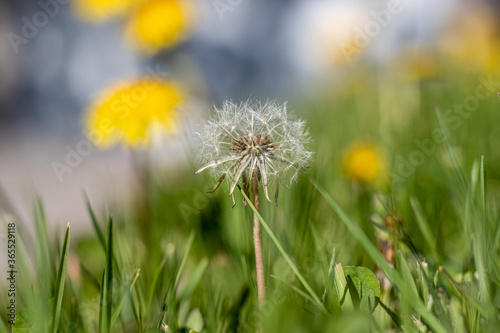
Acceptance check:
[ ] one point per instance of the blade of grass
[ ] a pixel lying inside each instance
(102, 303)
(118, 308)
(306, 285)
(423, 224)
(392, 274)
(109, 275)
(395, 318)
(155, 280)
(319, 250)
(184, 258)
(406, 275)
(95, 222)
(61, 279)
(483, 189)
(194, 280)
(175, 282)
(44, 254)
(297, 290)
(457, 168)
(331, 277)
(460, 288)
(3, 327)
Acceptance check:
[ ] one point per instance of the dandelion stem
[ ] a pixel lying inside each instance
(259, 262)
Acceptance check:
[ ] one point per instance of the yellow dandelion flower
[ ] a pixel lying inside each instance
(128, 113)
(472, 42)
(156, 24)
(102, 10)
(364, 162)
(415, 64)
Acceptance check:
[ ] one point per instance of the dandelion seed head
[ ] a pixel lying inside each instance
(250, 142)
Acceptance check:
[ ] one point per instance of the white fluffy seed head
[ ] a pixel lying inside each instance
(272, 140)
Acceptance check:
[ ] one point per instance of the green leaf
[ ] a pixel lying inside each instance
(366, 286)
(61, 279)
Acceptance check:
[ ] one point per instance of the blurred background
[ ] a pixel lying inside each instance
(369, 77)
(57, 57)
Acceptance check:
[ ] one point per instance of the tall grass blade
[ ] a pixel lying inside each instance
(95, 222)
(483, 189)
(109, 275)
(423, 224)
(102, 303)
(61, 279)
(180, 269)
(297, 290)
(193, 281)
(119, 306)
(189, 244)
(45, 265)
(3, 327)
(457, 167)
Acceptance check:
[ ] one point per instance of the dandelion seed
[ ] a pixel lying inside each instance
(254, 143)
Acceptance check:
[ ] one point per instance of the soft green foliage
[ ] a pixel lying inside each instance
(417, 253)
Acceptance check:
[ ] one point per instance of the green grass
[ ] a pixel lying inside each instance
(182, 259)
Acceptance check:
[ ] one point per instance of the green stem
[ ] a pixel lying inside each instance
(259, 261)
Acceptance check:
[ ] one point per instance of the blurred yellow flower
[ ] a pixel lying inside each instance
(417, 63)
(128, 112)
(102, 10)
(472, 40)
(364, 162)
(156, 24)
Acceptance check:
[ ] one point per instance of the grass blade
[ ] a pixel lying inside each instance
(102, 303)
(455, 160)
(3, 327)
(95, 222)
(175, 282)
(483, 189)
(294, 268)
(119, 307)
(194, 280)
(297, 290)
(184, 258)
(423, 224)
(109, 276)
(61, 279)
